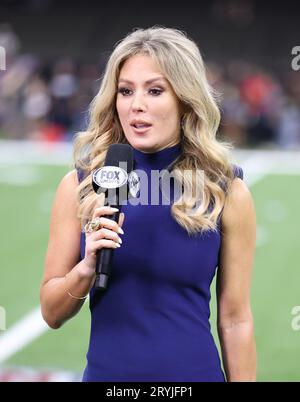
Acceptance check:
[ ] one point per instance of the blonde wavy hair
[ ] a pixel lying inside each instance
(181, 63)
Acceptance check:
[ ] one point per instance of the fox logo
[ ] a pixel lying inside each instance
(110, 177)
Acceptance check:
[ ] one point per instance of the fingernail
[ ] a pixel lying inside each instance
(120, 240)
(120, 230)
(118, 245)
(114, 209)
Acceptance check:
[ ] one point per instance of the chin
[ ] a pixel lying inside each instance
(143, 144)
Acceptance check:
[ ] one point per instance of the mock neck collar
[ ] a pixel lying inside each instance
(159, 159)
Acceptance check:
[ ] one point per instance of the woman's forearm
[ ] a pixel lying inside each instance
(238, 350)
(56, 303)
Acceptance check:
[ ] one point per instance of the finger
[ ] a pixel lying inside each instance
(106, 234)
(110, 224)
(121, 219)
(104, 211)
(104, 243)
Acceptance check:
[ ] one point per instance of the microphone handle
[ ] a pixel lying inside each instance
(104, 259)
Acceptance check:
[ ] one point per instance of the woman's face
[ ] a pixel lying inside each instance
(147, 106)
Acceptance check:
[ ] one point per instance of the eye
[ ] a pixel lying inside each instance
(155, 91)
(124, 91)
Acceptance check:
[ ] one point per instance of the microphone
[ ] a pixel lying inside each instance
(119, 183)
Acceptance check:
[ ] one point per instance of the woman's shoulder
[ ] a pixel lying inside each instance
(237, 191)
(65, 201)
(239, 202)
(68, 184)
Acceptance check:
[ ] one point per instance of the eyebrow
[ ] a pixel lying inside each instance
(147, 82)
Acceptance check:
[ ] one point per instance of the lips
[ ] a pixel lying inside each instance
(141, 130)
(140, 126)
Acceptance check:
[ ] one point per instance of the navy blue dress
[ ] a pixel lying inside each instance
(152, 321)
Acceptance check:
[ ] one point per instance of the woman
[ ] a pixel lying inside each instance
(152, 322)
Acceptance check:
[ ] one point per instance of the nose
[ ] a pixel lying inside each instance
(138, 103)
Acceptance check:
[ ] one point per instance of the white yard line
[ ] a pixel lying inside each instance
(21, 334)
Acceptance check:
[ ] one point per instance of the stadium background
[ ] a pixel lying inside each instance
(55, 54)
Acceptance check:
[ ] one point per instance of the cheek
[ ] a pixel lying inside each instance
(168, 112)
(121, 110)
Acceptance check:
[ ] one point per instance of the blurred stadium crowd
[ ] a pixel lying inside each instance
(49, 101)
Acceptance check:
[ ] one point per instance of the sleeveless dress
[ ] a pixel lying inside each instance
(152, 321)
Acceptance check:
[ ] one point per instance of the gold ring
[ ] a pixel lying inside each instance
(92, 225)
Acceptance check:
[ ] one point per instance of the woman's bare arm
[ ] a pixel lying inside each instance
(235, 321)
(62, 257)
(64, 275)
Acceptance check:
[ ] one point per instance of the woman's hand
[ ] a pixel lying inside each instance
(105, 237)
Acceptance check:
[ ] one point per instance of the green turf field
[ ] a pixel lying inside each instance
(24, 216)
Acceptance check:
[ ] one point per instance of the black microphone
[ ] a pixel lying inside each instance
(119, 182)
